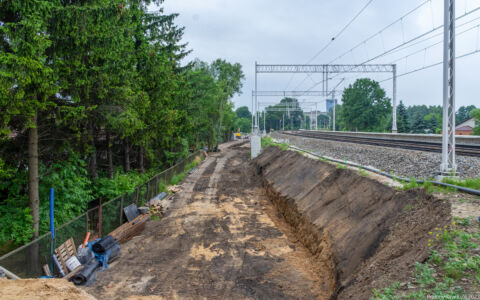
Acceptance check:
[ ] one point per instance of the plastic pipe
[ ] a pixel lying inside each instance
(57, 264)
(86, 240)
(52, 225)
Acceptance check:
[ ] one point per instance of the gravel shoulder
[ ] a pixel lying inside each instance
(401, 162)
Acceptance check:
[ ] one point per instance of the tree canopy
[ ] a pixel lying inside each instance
(365, 106)
(92, 90)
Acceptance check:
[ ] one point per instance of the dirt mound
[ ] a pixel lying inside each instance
(37, 289)
(363, 232)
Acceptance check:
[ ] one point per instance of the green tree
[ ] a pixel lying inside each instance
(365, 107)
(26, 79)
(432, 123)
(424, 119)
(402, 118)
(475, 114)
(94, 86)
(463, 113)
(243, 112)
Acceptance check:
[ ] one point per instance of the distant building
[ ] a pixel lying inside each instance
(330, 104)
(465, 128)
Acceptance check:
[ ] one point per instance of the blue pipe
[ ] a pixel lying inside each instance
(52, 231)
(52, 225)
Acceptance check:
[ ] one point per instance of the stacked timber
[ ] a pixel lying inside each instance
(130, 229)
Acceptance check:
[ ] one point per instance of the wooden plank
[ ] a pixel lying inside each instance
(130, 229)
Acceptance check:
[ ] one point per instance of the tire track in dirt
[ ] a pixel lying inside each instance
(220, 240)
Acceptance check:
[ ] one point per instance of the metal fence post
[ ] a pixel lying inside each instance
(86, 221)
(148, 191)
(121, 209)
(136, 196)
(99, 225)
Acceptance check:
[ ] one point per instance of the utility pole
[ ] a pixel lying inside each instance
(448, 166)
(316, 117)
(264, 117)
(252, 114)
(334, 108)
(394, 99)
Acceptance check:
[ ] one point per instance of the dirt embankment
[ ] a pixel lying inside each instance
(363, 233)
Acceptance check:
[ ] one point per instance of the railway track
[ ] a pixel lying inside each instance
(461, 149)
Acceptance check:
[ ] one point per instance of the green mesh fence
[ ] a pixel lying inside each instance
(27, 261)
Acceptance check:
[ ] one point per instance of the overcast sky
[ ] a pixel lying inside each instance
(292, 32)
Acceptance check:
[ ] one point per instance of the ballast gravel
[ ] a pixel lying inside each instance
(401, 162)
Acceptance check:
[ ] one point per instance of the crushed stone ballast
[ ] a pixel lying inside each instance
(394, 177)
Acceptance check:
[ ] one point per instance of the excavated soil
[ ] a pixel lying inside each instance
(41, 289)
(364, 234)
(221, 238)
(282, 226)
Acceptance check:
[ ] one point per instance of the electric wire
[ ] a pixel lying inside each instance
(341, 31)
(416, 38)
(369, 38)
(406, 43)
(335, 37)
(381, 30)
(432, 65)
(435, 44)
(433, 36)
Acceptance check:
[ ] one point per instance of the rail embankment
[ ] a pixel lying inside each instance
(363, 232)
(401, 162)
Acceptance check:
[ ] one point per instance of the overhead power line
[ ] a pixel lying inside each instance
(367, 39)
(381, 30)
(340, 32)
(434, 36)
(416, 38)
(432, 65)
(435, 44)
(398, 47)
(335, 37)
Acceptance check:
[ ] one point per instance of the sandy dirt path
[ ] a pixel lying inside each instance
(220, 239)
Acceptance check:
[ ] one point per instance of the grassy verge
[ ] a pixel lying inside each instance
(268, 141)
(177, 178)
(427, 185)
(451, 272)
(473, 183)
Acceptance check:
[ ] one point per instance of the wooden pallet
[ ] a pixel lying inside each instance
(64, 252)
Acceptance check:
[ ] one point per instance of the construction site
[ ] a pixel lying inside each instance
(285, 225)
(134, 165)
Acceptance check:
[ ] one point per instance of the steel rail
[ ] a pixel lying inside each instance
(461, 149)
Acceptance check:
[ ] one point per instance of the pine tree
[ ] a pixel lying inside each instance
(402, 118)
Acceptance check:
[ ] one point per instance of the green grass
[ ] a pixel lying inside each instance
(177, 178)
(323, 159)
(453, 266)
(362, 172)
(473, 183)
(427, 185)
(153, 216)
(268, 141)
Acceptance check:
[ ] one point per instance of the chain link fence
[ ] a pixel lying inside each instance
(27, 261)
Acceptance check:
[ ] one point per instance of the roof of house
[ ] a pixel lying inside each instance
(464, 128)
(467, 120)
